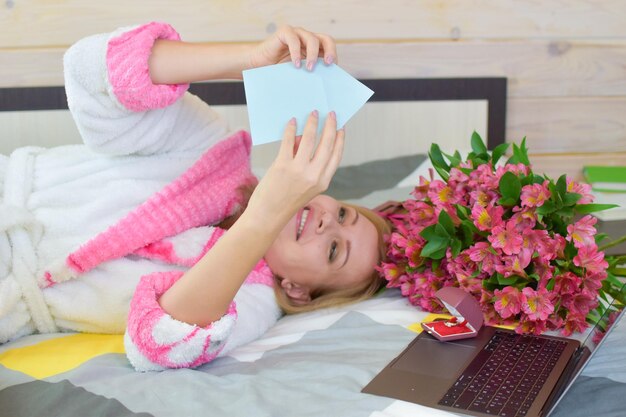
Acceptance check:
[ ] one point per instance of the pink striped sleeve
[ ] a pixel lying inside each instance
(128, 71)
(156, 341)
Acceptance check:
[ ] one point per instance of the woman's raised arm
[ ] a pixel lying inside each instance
(173, 62)
(203, 294)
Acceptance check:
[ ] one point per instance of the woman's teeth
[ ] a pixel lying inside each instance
(305, 214)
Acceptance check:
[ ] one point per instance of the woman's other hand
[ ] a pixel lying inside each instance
(300, 171)
(294, 44)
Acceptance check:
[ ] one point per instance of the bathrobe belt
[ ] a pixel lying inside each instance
(23, 232)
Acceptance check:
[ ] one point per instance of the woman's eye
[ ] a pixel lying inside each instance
(342, 214)
(333, 251)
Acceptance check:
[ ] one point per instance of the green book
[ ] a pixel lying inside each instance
(606, 178)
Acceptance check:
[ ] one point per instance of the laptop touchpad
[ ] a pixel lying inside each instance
(435, 358)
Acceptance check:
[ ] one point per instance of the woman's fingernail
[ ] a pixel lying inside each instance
(309, 65)
(332, 115)
(329, 59)
(297, 63)
(292, 121)
(314, 113)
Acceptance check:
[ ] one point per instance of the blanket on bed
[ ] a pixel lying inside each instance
(312, 364)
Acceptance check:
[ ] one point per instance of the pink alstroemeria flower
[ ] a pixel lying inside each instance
(392, 273)
(421, 214)
(589, 258)
(486, 218)
(441, 194)
(580, 188)
(592, 281)
(582, 232)
(506, 238)
(509, 301)
(530, 326)
(524, 218)
(534, 195)
(514, 264)
(567, 283)
(483, 197)
(574, 323)
(538, 305)
(483, 177)
(421, 191)
(413, 253)
(482, 253)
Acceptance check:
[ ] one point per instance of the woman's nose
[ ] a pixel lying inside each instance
(325, 221)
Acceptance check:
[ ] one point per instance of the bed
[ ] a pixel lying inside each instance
(312, 364)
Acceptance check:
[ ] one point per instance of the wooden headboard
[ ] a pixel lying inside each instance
(383, 128)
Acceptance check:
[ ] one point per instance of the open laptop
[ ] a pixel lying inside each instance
(497, 373)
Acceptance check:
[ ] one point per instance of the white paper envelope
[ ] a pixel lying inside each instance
(276, 93)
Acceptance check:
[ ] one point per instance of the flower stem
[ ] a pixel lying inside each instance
(613, 243)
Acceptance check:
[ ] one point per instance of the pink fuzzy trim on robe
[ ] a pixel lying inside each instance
(129, 73)
(146, 313)
(205, 194)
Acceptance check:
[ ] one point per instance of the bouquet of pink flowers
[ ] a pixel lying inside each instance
(524, 245)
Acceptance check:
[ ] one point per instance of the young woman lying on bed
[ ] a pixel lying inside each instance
(123, 233)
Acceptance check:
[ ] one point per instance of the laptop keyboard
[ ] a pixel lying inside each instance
(506, 376)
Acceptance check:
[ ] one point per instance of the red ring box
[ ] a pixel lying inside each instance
(467, 317)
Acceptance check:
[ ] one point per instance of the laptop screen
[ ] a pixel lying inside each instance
(609, 312)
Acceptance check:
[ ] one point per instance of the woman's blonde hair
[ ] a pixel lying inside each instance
(332, 298)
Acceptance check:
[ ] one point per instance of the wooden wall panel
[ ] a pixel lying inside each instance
(28, 23)
(564, 59)
(577, 125)
(555, 165)
(534, 68)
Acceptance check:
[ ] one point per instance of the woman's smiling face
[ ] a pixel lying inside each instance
(325, 246)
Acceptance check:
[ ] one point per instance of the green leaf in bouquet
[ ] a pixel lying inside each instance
(546, 208)
(527, 180)
(456, 247)
(478, 146)
(478, 159)
(520, 154)
(534, 276)
(565, 212)
(435, 248)
(570, 250)
(538, 179)
(613, 280)
(550, 284)
(436, 157)
(454, 161)
(559, 225)
(600, 237)
(615, 289)
(571, 198)
(467, 232)
(591, 208)
(510, 187)
(462, 211)
(497, 153)
(561, 185)
(430, 232)
(507, 202)
(555, 195)
(513, 279)
(442, 231)
(446, 221)
(491, 283)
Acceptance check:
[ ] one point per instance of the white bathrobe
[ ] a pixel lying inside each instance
(54, 200)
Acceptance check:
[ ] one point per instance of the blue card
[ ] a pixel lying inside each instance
(276, 93)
